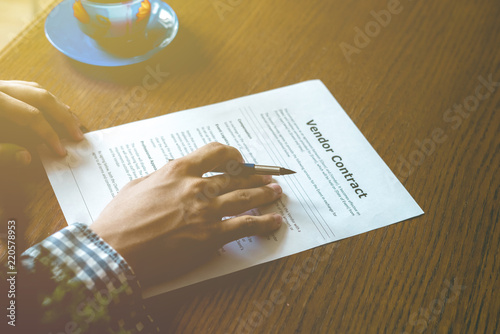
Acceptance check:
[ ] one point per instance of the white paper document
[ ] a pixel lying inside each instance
(341, 188)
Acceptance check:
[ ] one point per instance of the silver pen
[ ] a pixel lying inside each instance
(253, 169)
(250, 169)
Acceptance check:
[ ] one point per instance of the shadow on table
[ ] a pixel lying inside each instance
(165, 308)
(183, 56)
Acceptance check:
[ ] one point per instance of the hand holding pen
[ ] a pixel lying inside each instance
(176, 214)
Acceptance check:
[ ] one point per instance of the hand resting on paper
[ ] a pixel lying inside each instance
(29, 106)
(171, 220)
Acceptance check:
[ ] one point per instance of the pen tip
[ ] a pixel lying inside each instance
(285, 171)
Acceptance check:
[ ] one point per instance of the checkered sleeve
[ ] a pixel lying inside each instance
(73, 280)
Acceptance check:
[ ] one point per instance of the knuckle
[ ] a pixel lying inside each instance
(249, 223)
(244, 197)
(218, 148)
(45, 96)
(203, 234)
(198, 211)
(207, 231)
(198, 186)
(270, 192)
(175, 166)
(215, 145)
(34, 116)
(202, 206)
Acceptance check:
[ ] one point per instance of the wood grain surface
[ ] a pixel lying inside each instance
(404, 85)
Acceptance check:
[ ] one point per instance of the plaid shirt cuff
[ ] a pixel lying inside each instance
(82, 281)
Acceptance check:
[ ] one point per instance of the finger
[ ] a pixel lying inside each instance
(20, 82)
(225, 183)
(211, 156)
(243, 226)
(11, 154)
(47, 102)
(32, 93)
(29, 116)
(239, 201)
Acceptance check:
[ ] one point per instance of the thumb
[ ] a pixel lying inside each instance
(11, 154)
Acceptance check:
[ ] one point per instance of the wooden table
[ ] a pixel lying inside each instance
(397, 80)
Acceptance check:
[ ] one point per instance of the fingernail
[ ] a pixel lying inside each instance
(23, 158)
(267, 179)
(276, 187)
(278, 219)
